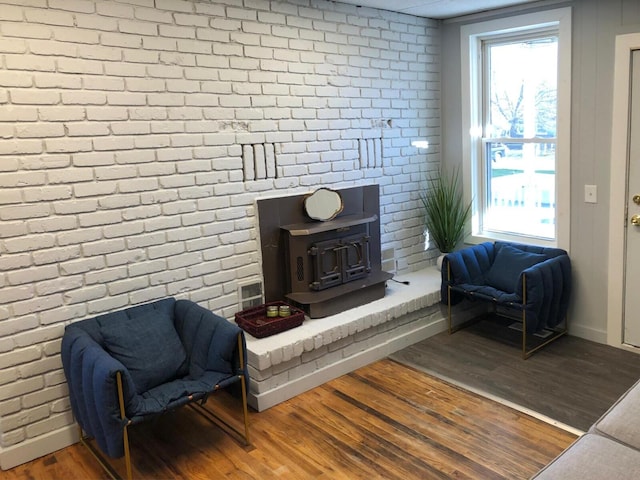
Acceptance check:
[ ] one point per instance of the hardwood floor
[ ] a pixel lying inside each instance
(383, 421)
(571, 380)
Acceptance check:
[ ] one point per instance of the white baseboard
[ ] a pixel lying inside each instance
(43, 445)
(588, 333)
(300, 385)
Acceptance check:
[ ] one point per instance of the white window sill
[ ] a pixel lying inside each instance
(492, 237)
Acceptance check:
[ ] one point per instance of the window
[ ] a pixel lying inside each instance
(516, 109)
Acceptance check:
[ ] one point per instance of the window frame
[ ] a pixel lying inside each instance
(473, 96)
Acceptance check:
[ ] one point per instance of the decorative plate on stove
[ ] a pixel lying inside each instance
(323, 204)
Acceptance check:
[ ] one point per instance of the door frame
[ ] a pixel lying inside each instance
(625, 45)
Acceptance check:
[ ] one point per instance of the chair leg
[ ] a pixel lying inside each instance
(243, 385)
(449, 309)
(221, 422)
(525, 355)
(104, 463)
(557, 333)
(451, 330)
(125, 432)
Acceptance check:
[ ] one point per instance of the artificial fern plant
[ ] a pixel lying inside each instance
(446, 213)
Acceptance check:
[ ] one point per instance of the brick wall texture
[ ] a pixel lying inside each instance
(135, 137)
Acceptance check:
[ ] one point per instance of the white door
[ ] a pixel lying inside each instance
(632, 253)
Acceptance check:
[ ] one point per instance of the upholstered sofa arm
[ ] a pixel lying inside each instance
(91, 376)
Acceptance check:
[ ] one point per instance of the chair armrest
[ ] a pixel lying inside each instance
(91, 376)
(547, 293)
(211, 341)
(468, 265)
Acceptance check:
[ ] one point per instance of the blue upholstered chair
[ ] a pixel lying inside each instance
(131, 365)
(534, 282)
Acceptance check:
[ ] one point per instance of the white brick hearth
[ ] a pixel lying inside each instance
(291, 362)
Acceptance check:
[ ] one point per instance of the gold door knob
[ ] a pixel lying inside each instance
(635, 220)
(636, 199)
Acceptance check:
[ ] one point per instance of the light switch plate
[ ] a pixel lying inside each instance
(591, 193)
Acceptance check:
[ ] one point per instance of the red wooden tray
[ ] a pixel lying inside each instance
(255, 321)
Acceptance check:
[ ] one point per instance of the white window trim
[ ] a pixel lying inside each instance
(471, 38)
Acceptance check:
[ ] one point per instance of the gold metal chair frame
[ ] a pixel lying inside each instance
(200, 408)
(557, 332)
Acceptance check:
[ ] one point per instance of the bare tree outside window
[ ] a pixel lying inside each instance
(520, 135)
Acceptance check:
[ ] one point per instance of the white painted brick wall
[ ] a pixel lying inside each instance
(121, 172)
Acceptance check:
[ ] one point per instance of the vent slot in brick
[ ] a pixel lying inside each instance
(370, 150)
(250, 295)
(258, 161)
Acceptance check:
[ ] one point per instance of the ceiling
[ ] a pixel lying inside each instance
(436, 8)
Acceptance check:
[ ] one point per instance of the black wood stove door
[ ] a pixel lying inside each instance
(339, 261)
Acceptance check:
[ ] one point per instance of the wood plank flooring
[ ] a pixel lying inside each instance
(383, 421)
(571, 380)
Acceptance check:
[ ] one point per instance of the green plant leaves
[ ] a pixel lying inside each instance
(446, 214)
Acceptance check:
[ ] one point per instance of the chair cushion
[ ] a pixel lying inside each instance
(488, 293)
(149, 347)
(176, 393)
(507, 266)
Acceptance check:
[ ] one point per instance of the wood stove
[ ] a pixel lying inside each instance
(323, 267)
